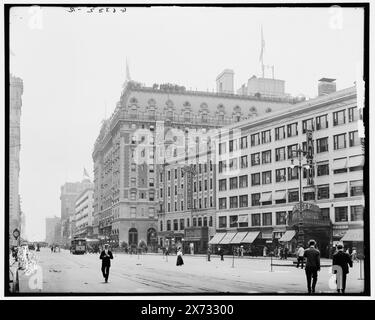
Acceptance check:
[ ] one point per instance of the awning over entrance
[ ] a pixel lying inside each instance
(287, 236)
(238, 237)
(217, 238)
(353, 235)
(280, 195)
(356, 161)
(227, 238)
(250, 237)
(339, 164)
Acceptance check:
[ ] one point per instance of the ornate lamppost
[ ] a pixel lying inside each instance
(299, 152)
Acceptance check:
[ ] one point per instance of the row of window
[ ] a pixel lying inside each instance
(196, 204)
(179, 224)
(200, 168)
(266, 218)
(264, 137)
(265, 198)
(282, 153)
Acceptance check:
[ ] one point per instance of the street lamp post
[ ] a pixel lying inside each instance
(300, 153)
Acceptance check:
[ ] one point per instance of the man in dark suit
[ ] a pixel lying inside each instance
(312, 267)
(106, 257)
(342, 259)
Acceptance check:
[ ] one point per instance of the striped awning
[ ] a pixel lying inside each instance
(250, 237)
(227, 238)
(238, 237)
(353, 235)
(217, 238)
(287, 236)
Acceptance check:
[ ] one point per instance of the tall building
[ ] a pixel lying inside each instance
(16, 91)
(83, 218)
(258, 187)
(68, 196)
(187, 194)
(126, 152)
(51, 224)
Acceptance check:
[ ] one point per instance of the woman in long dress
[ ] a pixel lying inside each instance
(179, 262)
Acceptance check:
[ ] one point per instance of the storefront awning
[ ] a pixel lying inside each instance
(339, 164)
(227, 238)
(280, 195)
(266, 197)
(356, 161)
(238, 237)
(250, 237)
(243, 218)
(353, 235)
(217, 238)
(287, 236)
(340, 188)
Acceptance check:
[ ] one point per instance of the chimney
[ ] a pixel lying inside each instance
(326, 86)
(225, 82)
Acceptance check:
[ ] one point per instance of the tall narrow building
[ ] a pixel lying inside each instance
(16, 91)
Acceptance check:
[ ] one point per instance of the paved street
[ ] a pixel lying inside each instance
(66, 273)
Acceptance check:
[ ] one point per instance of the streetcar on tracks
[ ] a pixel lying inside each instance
(78, 246)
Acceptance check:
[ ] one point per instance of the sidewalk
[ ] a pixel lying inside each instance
(325, 262)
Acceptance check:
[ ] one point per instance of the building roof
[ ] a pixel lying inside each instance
(327, 79)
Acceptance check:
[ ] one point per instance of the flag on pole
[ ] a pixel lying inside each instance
(127, 71)
(262, 45)
(85, 173)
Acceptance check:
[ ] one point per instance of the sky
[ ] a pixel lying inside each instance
(73, 66)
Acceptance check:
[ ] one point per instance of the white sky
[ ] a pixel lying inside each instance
(74, 66)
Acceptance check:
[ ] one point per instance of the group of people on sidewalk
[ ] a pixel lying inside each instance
(341, 261)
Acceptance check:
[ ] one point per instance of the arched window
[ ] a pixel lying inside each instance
(187, 116)
(205, 222)
(151, 237)
(133, 236)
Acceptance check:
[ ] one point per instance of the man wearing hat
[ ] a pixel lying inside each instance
(312, 267)
(106, 257)
(342, 259)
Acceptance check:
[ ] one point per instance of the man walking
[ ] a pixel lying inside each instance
(312, 256)
(300, 256)
(221, 254)
(343, 260)
(106, 257)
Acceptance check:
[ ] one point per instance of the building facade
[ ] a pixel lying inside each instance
(126, 152)
(258, 187)
(16, 91)
(51, 224)
(68, 196)
(187, 194)
(83, 218)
